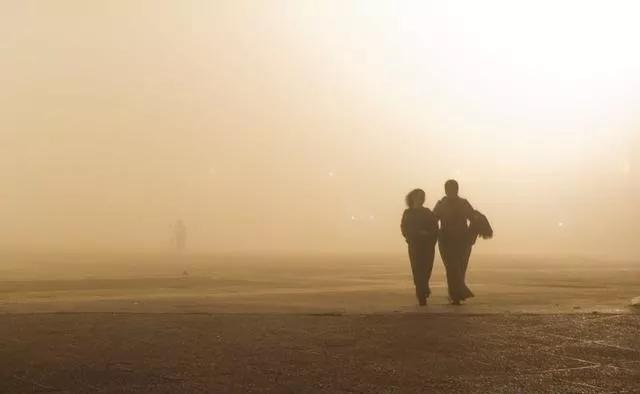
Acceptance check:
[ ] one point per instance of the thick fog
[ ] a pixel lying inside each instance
(299, 126)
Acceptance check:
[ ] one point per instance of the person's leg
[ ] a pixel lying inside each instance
(465, 256)
(430, 254)
(423, 281)
(416, 256)
(417, 271)
(451, 265)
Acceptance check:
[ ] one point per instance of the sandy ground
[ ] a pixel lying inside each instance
(125, 323)
(154, 283)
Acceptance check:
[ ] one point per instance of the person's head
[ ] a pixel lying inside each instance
(415, 198)
(451, 188)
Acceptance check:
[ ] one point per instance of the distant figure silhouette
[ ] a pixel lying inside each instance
(420, 229)
(455, 240)
(180, 236)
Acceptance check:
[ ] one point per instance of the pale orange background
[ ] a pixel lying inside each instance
(277, 126)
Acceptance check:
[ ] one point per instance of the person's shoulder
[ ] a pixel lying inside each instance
(441, 202)
(431, 214)
(439, 205)
(423, 211)
(464, 201)
(467, 206)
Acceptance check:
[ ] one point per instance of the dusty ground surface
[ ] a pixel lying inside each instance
(134, 323)
(329, 284)
(204, 353)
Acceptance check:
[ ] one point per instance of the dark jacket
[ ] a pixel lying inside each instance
(454, 214)
(419, 225)
(480, 227)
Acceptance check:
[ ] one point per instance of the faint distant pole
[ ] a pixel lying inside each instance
(180, 236)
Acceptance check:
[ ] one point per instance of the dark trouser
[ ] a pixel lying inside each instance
(421, 255)
(455, 256)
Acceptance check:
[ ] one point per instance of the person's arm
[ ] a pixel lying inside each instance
(437, 212)
(434, 229)
(469, 211)
(403, 225)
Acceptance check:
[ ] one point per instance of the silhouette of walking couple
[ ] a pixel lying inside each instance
(455, 226)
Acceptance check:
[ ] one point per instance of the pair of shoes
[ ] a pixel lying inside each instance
(422, 298)
(454, 302)
(467, 293)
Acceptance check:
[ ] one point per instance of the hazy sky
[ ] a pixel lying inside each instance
(300, 125)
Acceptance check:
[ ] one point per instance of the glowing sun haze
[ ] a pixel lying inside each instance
(300, 125)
